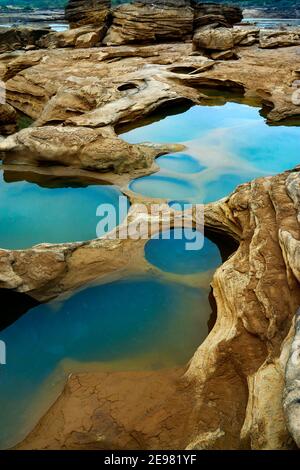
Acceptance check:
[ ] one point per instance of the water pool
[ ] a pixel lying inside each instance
(172, 254)
(144, 323)
(63, 212)
(225, 146)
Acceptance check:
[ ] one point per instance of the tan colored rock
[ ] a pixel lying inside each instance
(80, 147)
(83, 12)
(269, 39)
(219, 39)
(208, 13)
(62, 84)
(230, 395)
(84, 36)
(20, 37)
(88, 40)
(224, 55)
(291, 398)
(147, 22)
(8, 119)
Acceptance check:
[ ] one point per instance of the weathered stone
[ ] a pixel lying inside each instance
(213, 38)
(269, 39)
(291, 398)
(83, 12)
(8, 119)
(18, 38)
(230, 395)
(80, 147)
(147, 22)
(208, 13)
(91, 39)
(224, 55)
(220, 38)
(84, 36)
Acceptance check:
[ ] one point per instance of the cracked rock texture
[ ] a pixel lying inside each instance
(82, 12)
(79, 147)
(146, 22)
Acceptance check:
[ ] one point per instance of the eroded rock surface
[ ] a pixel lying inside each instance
(82, 12)
(79, 147)
(20, 37)
(209, 13)
(82, 37)
(146, 21)
(8, 119)
(230, 395)
(272, 39)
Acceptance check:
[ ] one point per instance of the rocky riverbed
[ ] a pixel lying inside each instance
(80, 87)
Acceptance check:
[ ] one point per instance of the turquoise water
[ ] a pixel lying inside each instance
(273, 23)
(32, 214)
(180, 163)
(143, 323)
(231, 144)
(172, 254)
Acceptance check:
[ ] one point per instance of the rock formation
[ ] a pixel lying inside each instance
(146, 21)
(8, 119)
(79, 147)
(20, 37)
(229, 396)
(291, 399)
(212, 13)
(83, 37)
(216, 38)
(83, 12)
(272, 39)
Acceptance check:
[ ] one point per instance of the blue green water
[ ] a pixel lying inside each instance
(172, 254)
(143, 323)
(231, 144)
(32, 214)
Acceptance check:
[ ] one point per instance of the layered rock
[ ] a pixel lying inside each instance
(209, 13)
(269, 39)
(80, 147)
(20, 37)
(8, 119)
(83, 12)
(83, 37)
(145, 21)
(291, 397)
(229, 396)
(214, 37)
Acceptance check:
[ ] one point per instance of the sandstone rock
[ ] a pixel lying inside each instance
(80, 147)
(291, 399)
(84, 36)
(83, 12)
(89, 39)
(220, 38)
(208, 13)
(213, 38)
(8, 119)
(230, 395)
(146, 21)
(269, 38)
(224, 55)
(245, 36)
(18, 38)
